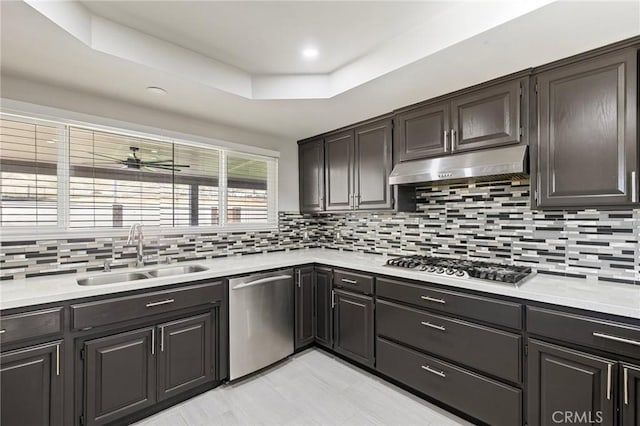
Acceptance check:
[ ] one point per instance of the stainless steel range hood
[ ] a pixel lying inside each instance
(483, 165)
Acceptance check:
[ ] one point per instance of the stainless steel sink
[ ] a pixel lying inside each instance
(177, 270)
(112, 278)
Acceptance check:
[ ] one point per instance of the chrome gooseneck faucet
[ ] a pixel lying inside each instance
(135, 233)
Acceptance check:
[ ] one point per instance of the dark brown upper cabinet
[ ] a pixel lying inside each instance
(31, 386)
(587, 122)
(484, 117)
(338, 155)
(422, 132)
(373, 164)
(630, 392)
(304, 306)
(564, 380)
(311, 175)
(488, 117)
(357, 163)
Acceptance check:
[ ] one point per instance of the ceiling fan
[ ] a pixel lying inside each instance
(134, 162)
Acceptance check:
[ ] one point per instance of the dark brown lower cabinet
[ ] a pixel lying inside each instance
(31, 386)
(569, 386)
(185, 355)
(324, 316)
(304, 306)
(630, 395)
(490, 401)
(353, 326)
(120, 375)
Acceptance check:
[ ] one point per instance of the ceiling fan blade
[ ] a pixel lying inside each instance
(158, 161)
(106, 156)
(150, 166)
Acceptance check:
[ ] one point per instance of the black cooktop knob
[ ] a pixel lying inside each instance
(459, 273)
(440, 270)
(450, 271)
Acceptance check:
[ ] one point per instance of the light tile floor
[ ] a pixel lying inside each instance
(311, 388)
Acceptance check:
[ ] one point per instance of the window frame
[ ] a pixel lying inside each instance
(63, 229)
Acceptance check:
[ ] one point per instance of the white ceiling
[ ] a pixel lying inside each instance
(267, 37)
(36, 49)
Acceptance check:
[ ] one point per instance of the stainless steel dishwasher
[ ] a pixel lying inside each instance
(260, 321)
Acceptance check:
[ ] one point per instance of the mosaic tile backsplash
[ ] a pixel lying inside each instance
(488, 221)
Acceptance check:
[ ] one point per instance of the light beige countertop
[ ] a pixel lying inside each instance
(603, 297)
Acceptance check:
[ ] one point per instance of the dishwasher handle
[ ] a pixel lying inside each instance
(261, 281)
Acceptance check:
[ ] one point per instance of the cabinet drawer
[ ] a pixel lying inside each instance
(352, 281)
(609, 336)
(493, 311)
(487, 400)
(29, 325)
(93, 314)
(493, 351)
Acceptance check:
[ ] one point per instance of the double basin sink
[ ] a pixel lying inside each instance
(141, 275)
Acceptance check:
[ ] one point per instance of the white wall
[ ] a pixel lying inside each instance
(23, 90)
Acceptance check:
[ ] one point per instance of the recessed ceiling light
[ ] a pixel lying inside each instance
(310, 52)
(156, 90)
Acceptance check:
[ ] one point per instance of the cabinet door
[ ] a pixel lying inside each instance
(562, 380)
(324, 314)
(31, 386)
(185, 354)
(630, 395)
(587, 124)
(422, 132)
(304, 307)
(120, 375)
(338, 151)
(487, 117)
(373, 163)
(353, 326)
(311, 171)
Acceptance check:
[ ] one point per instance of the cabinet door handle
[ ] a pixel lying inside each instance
(161, 339)
(616, 339)
(333, 299)
(433, 371)
(437, 327)
(345, 280)
(58, 359)
(609, 381)
(3, 331)
(625, 373)
(446, 137)
(299, 278)
(162, 302)
(454, 137)
(433, 299)
(153, 341)
(634, 188)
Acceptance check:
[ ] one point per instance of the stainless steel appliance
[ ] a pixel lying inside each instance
(260, 321)
(460, 268)
(486, 164)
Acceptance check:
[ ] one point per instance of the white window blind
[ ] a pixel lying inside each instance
(28, 173)
(70, 177)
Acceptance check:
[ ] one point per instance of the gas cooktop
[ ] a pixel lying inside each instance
(463, 268)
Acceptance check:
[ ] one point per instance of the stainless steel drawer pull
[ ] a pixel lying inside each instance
(58, 359)
(436, 372)
(162, 302)
(437, 327)
(626, 386)
(616, 339)
(3, 331)
(344, 280)
(433, 299)
(609, 381)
